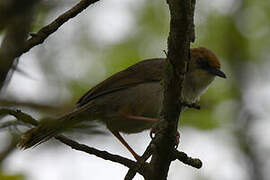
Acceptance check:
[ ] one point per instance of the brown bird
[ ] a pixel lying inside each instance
(129, 101)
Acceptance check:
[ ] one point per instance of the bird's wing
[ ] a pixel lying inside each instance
(142, 72)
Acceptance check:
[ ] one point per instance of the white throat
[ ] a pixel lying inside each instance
(195, 84)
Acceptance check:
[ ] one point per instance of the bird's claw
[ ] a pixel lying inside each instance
(192, 105)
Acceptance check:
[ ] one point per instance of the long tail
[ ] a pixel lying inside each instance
(37, 136)
(46, 130)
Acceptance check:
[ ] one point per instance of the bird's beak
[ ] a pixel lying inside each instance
(216, 72)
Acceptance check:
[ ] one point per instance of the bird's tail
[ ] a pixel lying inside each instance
(37, 136)
(46, 130)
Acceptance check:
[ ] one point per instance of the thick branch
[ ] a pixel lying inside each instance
(178, 48)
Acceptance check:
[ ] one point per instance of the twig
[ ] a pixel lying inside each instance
(184, 158)
(46, 31)
(142, 169)
(132, 172)
(19, 115)
(165, 52)
(50, 109)
(179, 155)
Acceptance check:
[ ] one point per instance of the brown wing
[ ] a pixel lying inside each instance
(145, 71)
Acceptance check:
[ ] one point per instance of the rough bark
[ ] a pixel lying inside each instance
(181, 34)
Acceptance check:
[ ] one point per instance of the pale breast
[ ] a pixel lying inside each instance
(195, 84)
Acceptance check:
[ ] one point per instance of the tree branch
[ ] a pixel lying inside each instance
(23, 117)
(184, 158)
(178, 48)
(44, 108)
(148, 152)
(141, 168)
(179, 155)
(46, 31)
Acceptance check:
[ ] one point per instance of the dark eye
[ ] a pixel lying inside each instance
(202, 63)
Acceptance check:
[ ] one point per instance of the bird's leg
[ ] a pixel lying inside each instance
(121, 139)
(153, 129)
(141, 118)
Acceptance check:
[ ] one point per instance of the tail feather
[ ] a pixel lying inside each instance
(36, 136)
(52, 127)
(46, 129)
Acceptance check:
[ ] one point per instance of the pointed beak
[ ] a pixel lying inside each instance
(216, 72)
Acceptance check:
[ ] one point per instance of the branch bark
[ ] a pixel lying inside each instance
(181, 34)
(141, 168)
(46, 31)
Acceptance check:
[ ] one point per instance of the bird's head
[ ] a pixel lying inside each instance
(204, 62)
(202, 70)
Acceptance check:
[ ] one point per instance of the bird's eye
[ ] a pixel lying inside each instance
(202, 63)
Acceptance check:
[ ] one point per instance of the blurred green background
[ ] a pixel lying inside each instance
(230, 133)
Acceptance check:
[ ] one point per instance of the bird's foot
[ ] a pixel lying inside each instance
(192, 105)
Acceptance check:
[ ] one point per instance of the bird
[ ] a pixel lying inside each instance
(130, 100)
